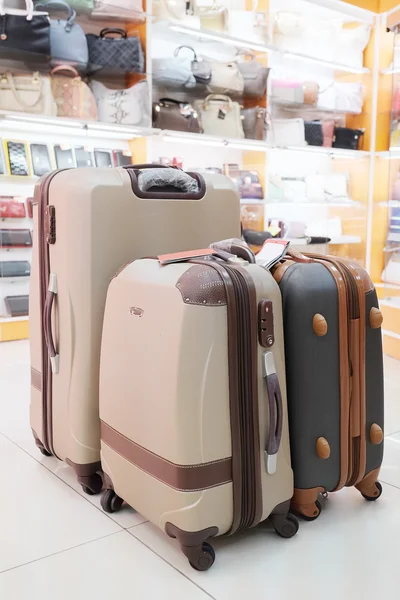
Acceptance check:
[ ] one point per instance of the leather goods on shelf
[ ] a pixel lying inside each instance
(201, 69)
(226, 78)
(68, 43)
(172, 9)
(124, 10)
(347, 138)
(328, 129)
(17, 306)
(27, 93)
(247, 183)
(73, 96)
(349, 97)
(64, 411)
(176, 115)
(255, 123)
(220, 116)
(255, 77)
(295, 92)
(232, 309)
(351, 43)
(249, 25)
(121, 53)
(178, 71)
(129, 106)
(342, 386)
(24, 34)
(286, 132)
(214, 17)
(313, 133)
(11, 208)
(15, 238)
(15, 268)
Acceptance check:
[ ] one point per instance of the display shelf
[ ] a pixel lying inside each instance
(390, 71)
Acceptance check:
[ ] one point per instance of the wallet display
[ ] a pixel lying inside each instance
(17, 306)
(10, 208)
(15, 268)
(15, 238)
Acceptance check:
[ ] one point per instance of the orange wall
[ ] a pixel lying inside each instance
(375, 5)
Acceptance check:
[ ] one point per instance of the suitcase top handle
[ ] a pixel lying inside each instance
(166, 191)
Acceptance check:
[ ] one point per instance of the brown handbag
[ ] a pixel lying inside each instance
(175, 115)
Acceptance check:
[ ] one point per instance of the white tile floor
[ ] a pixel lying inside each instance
(57, 544)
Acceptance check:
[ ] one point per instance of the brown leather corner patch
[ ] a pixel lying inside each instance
(185, 478)
(202, 285)
(36, 379)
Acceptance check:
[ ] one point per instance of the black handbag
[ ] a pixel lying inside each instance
(15, 268)
(117, 53)
(25, 35)
(347, 138)
(313, 133)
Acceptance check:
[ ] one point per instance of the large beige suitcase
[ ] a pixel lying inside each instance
(193, 400)
(87, 224)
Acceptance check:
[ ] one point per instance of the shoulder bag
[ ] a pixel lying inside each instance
(115, 53)
(126, 10)
(27, 93)
(67, 39)
(328, 128)
(220, 116)
(24, 32)
(130, 106)
(255, 123)
(313, 133)
(179, 71)
(73, 96)
(286, 132)
(250, 25)
(226, 78)
(175, 115)
(214, 17)
(255, 77)
(346, 138)
(247, 183)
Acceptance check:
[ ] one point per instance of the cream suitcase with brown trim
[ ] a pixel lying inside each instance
(193, 400)
(87, 223)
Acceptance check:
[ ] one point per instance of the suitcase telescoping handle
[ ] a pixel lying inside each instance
(48, 333)
(275, 408)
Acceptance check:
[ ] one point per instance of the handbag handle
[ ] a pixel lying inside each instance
(57, 4)
(275, 408)
(170, 101)
(220, 97)
(10, 80)
(179, 48)
(28, 5)
(64, 68)
(116, 30)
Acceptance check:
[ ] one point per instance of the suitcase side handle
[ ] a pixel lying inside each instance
(48, 333)
(275, 408)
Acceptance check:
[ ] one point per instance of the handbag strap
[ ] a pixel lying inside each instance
(218, 97)
(108, 30)
(19, 100)
(179, 48)
(28, 5)
(65, 68)
(60, 4)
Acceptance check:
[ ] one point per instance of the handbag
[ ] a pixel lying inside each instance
(313, 133)
(178, 71)
(214, 17)
(68, 43)
(255, 123)
(175, 115)
(336, 187)
(349, 97)
(286, 132)
(83, 5)
(255, 77)
(295, 92)
(201, 69)
(249, 25)
(73, 96)
(351, 43)
(226, 78)
(247, 183)
(172, 9)
(27, 93)
(328, 128)
(220, 116)
(347, 138)
(24, 32)
(127, 10)
(130, 106)
(115, 53)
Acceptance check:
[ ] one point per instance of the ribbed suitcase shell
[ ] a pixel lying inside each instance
(166, 401)
(90, 222)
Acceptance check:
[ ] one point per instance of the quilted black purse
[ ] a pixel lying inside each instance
(117, 53)
(313, 133)
(347, 138)
(25, 36)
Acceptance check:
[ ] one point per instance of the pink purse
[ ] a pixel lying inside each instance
(328, 130)
(74, 99)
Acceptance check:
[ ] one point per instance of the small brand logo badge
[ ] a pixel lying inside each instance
(135, 311)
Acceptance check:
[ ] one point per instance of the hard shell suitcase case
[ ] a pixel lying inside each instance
(334, 370)
(200, 443)
(87, 223)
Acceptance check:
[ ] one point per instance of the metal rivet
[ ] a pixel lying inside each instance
(187, 299)
(3, 36)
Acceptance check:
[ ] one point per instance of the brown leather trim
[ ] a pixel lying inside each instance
(280, 269)
(185, 478)
(191, 543)
(303, 501)
(36, 379)
(86, 469)
(202, 285)
(162, 195)
(367, 484)
(362, 274)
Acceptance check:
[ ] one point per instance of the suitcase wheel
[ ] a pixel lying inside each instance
(287, 526)
(377, 494)
(315, 513)
(93, 485)
(44, 451)
(205, 558)
(110, 502)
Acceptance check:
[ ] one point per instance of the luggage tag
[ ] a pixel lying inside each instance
(272, 252)
(222, 112)
(167, 259)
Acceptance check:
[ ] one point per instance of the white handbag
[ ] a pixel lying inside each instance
(286, 132)
(128, 107)
(349, 96)
(350, 45)
(391, 273)
(226, 78)
(128, 10)
(249, 24)
(315, 188)
(220, 116)
(27, 93)
(336, 187)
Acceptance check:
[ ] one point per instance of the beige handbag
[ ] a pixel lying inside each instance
(226, 78)
(73, 96)
(214, 17)
(27, 93)
(220, 116)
